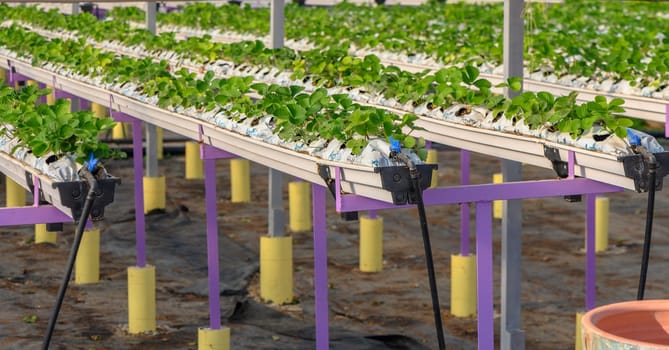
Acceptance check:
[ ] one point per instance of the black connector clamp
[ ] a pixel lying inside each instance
(397, 180)
(637, 166)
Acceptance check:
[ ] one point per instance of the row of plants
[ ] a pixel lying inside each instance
(536, 110)
(598, 40)
(446, 87)
(50, 130)
(297, 115)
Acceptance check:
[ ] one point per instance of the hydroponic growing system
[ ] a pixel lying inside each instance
(353, 126)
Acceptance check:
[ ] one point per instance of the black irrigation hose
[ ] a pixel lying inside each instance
(649, 230)
(429, 261)
(88, 205)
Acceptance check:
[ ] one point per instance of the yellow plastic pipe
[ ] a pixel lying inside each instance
(240, 180)
(154, 193)
(578, 343)
(497, 205)
(371, 244)
(141, 299)
(194, 164)
(299, 203)
(601, 224)
(432, 159)
(213, 339)
(87, 265)
(16, 195)
(276, 269)
(463, 285)
(44, 236)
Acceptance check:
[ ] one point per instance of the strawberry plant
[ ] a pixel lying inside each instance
(51, 129)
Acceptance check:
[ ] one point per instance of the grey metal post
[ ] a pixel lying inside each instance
(512, 336)
(151, 130)
(276, 217)
(75, 8)
(277, 21)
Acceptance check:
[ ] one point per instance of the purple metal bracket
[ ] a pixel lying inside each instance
(29, 215)
(481, 193)
(34, 214)
(464, 207)
(211, 152)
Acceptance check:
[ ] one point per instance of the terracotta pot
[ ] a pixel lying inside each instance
(632, 325)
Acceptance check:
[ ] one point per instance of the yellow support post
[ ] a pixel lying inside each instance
(299, 203)
(497, 205)
(276, 269)
(119, 131)
(432, 159)
(3, 75)
(194, 164)
(159, 141)
(99, 110)
(16, 195)
(44, 236)
(154, 193)
(32, 83)
(371, 244)
(87, 264)
(601, 224)
(141, 299)
(240, 180)
(578, 343)
(213, 339)
(463, 285)
(50, 98)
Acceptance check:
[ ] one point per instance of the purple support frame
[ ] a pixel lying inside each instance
(483, 195)
(209, 154)
(464, 207)
(137, 150)
(590, 261)
(140, 220)
(484, 276)
(29, 215)
(212, 244)
(320, 267)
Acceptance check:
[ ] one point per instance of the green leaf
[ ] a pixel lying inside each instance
(470, 74)
(39, 147)
(409, 142)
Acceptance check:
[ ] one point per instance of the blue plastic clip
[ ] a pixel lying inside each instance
(395, 145)
(92, 162)
(633, 137)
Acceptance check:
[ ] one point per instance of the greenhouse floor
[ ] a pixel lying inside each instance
(387, 310)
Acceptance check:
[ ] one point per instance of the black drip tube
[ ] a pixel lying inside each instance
(415, 180)
(652, 167)
(88, 205)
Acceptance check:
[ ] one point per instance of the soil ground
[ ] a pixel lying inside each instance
(386, 310)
